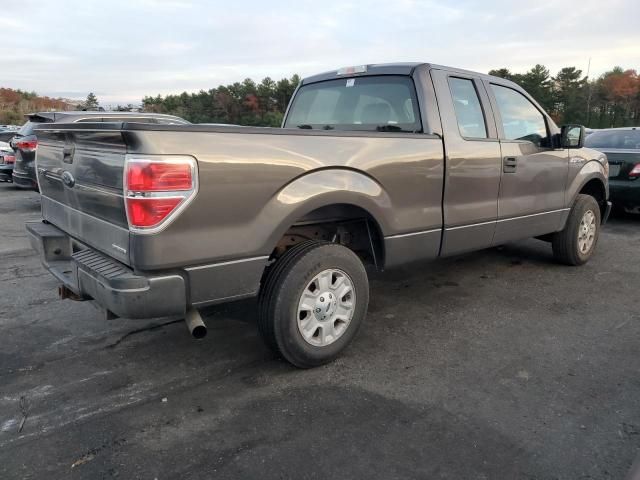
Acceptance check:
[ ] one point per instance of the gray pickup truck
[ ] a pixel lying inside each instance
(375, 166)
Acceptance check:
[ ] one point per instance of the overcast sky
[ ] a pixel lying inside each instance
(125, 49)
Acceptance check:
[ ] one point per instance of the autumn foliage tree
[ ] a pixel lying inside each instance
(15, 104)
(240, 103)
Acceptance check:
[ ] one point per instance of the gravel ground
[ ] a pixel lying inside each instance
(497, 364)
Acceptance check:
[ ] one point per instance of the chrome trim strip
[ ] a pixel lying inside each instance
(412, 234)
(448, 229)
(231, 262)
(534, 214)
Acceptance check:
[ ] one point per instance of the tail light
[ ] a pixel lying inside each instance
(27, 145)
(635, 171)
(157, 188)
(9, 159)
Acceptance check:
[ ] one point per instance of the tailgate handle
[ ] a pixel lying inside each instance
(67, 153)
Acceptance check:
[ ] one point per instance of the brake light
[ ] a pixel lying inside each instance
(635, 171)
(157, 177)
(9, 159)
(156, 188)
(27, 145)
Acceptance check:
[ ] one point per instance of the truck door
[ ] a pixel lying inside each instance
(472, 160)
(534, 174)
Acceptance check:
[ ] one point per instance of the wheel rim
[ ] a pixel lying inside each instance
(587, 231)
(326, 307)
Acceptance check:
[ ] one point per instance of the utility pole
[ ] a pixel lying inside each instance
(588, 93)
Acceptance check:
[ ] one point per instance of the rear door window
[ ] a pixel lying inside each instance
(471, 122)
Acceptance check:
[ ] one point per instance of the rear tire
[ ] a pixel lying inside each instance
(576, 243)
(313, 302)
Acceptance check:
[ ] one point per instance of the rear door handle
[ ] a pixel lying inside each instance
(510, 164)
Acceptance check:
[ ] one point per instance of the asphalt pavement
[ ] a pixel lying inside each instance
(497, 364)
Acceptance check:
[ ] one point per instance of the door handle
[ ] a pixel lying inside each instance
(510, 164)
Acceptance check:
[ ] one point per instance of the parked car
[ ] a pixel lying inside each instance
(622, 147)
(25, 142)
(7, 132)
(7, 159)
(376, 166)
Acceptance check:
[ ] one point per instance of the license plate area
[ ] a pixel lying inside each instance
(614, 170)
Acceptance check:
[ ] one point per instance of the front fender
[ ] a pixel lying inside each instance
(582, 172)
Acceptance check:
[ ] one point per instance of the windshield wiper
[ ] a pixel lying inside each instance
(309, 127)
(392, 128)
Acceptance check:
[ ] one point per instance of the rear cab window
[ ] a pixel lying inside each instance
(382, 103)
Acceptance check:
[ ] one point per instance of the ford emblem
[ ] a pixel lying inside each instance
(68, 179)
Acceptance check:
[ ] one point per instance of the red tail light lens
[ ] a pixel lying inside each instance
(27, 145)
(156, 188)
(9, 159)
(148, 212)
(635, 171)
(159, 177)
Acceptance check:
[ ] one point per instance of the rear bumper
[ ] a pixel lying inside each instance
(93, 276)
(625, 193)
(6, 170)
(24, 180)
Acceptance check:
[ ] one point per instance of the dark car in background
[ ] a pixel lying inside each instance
(622, 147)
(7, 132)
(7, 159)
(25, 142)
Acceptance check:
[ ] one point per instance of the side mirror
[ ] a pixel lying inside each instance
(572, 136)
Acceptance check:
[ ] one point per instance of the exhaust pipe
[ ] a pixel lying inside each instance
(196, 326)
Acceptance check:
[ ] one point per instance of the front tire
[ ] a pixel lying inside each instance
(313, 302)
(576, 243)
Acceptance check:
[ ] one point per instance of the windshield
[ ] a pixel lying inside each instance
(378, 103)
(621, 139)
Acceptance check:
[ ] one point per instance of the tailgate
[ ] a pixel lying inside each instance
(80, 172)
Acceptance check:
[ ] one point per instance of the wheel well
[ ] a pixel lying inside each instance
(595, 188)
(346, 224)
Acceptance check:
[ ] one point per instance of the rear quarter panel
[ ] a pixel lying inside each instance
(254, 185)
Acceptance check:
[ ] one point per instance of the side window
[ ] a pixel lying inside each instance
(520, 119)
(468, 109)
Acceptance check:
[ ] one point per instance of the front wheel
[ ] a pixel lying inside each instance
(576, 243)
(312, 303)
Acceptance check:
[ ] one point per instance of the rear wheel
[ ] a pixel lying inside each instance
(576, 243)
(312, 303)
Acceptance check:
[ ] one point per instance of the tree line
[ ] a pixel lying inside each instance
(246, 103)
(611, 100)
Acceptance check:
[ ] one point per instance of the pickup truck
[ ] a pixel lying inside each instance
(376, 166)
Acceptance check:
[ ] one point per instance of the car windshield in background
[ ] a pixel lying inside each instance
(27, 128)
(377, 103)
(619, 139)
